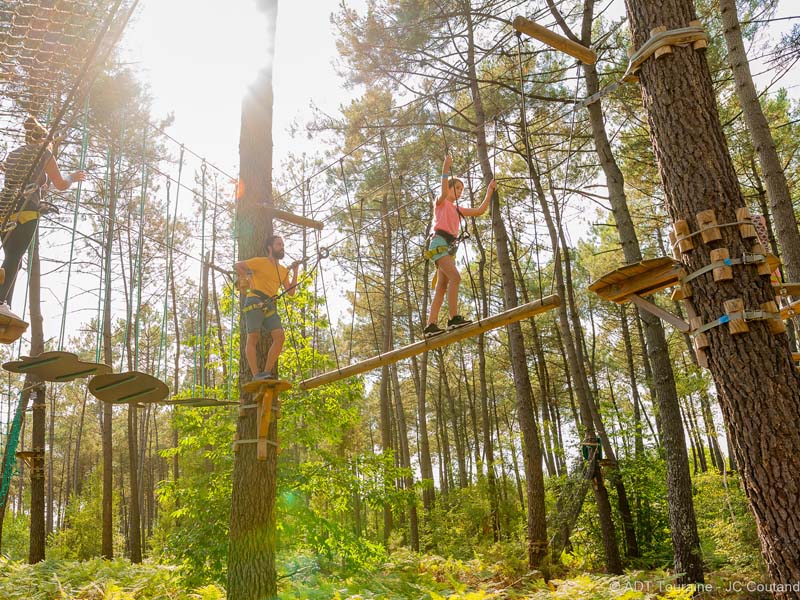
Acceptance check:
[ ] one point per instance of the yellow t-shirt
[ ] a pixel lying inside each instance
(267, 277)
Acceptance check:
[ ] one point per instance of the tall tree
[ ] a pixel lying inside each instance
(780, 198)
(251, 555)
(683, 524)
(106, 410)
(752, 370)
(532, 450)
(37, 528)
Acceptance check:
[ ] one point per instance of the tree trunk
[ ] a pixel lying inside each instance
(405, 460)
(251, 552)
(575, 364)
(385, 387)
(683, 525)
(453, 417)
(37, 528)
(483, 392)
(780, 197)
(752, 370)
(107, 544)
(51, 438)
(534, 476)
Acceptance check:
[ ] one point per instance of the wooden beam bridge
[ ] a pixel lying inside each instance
(519, 313)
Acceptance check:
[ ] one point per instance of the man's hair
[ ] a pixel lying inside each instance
(268, 243)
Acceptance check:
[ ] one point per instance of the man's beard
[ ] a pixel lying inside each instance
(278, 254)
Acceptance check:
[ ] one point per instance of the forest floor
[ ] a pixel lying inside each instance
(407, 576)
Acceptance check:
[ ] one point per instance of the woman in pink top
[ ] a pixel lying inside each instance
(446, 216)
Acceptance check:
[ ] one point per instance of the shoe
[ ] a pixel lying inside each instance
(5, 311)
(265, 376)
(432, 330)
(456, 322)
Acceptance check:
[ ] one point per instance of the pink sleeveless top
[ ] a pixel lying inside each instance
(445, 217)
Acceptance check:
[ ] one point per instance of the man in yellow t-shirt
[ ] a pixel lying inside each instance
(266, 276)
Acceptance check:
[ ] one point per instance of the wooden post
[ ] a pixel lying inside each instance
(288, 217)
(699, 341)
(737, 324)
(776, 326)
(707, 221)
(681, 230)
(748, 230)
(699, 44)
(723, 273)
(554, 40)
(264, 417)
(663, 49)
(480, 326)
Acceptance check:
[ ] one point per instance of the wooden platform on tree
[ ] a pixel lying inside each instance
(479, 326)
(11, 326)
(27, 456)
(56, 366)
(642, 278)
(201, 402)
(258, 387)
(130, 387)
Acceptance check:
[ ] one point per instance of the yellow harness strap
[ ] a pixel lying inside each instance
(24, 216)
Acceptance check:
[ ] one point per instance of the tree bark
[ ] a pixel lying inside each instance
(483, 392)
(758, 383)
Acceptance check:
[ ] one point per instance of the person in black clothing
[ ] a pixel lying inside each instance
(21, 200)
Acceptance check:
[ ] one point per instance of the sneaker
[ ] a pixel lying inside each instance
(5, 310)
(456, 322)
(432, 330)
(265, 376)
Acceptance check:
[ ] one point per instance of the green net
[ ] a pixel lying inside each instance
(11, 440)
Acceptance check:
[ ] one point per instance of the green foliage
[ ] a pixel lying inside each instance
(727, 529)
(460, 524)
(317, 502)
(16, 536)
(193, 529)
(97, 579)
(79, 540)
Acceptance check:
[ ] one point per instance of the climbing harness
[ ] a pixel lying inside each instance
(452, 247)
(267, 303)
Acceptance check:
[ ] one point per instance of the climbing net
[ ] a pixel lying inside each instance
(50, 52)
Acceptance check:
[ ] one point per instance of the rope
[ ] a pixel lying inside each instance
(12, 442)
(84, 147)
(529, 155)
(140, 254)
(163, 336)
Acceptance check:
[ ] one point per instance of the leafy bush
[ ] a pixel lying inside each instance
(79, 539)
(97, 579)
(16, 536)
